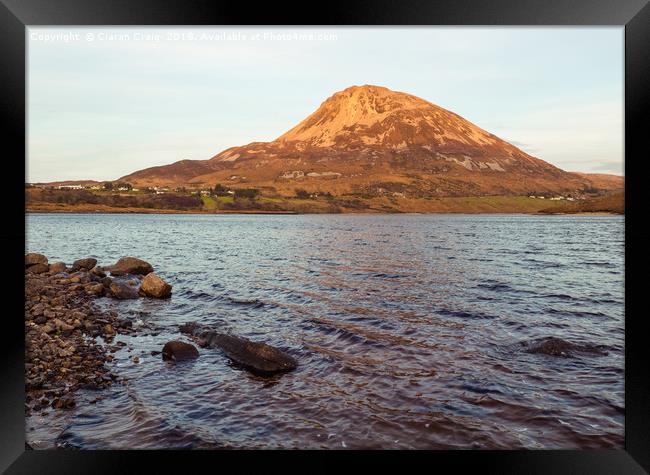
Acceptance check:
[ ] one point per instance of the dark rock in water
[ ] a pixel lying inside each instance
(257, 357)
(34, 258)
(37, 269)
(84, 264)
(154, 286)
(553, 346)
(123, 291)
(130, 265)
(179, 351)
(57, 268)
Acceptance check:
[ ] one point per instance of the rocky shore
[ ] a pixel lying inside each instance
(68, 339)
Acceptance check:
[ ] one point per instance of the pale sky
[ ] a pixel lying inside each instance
(104, 102)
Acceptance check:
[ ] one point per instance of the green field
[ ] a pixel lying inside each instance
(208, 203)
(212, 203)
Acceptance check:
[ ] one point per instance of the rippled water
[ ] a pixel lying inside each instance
(407, 329)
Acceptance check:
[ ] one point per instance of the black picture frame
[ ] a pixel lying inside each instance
(634, 15)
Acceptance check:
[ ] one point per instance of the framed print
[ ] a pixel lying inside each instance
(412, 230)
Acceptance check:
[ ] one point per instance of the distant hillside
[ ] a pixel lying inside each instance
(69, 183)
(611, 203)
(604, 181)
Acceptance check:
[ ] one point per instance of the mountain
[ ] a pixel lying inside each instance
(371, 141)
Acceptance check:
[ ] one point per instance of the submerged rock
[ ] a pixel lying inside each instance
(179, 351)
(123, 291)
(84, 264)
(154, 286)
(37, 269)
(553, 346)
(34, 258)
(256, 357)
(130, 265)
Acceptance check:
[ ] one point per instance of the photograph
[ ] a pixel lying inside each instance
(325, 237)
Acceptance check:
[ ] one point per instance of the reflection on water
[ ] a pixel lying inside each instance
(406, 328)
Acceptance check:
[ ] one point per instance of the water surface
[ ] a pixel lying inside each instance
(407, 329)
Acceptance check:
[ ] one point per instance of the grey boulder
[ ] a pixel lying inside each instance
(34, 258)
(84, 264)
(130, 265)
(57, 268)
(154, 286)
(37, 269)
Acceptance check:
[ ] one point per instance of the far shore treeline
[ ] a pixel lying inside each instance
(124, 197)
(219, 198)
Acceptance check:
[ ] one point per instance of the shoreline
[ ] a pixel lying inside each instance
(503, 204)
(71, 339)
(171, 212)
(109, 210)
(585, 213)
(62, 322)
(294, 213)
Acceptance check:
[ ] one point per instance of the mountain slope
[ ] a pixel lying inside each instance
(370, 141)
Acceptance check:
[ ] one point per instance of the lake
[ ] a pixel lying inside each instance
(410, 331)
